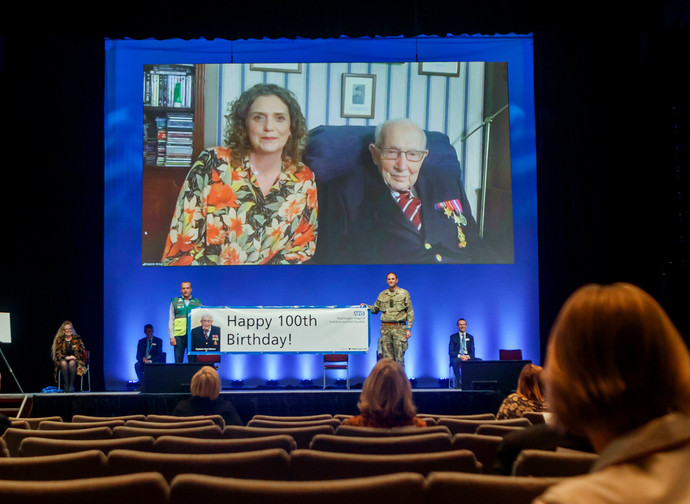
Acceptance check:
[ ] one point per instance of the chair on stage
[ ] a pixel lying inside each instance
(472, 488)
(145, 424)
(275, 424)
(336, 361)
(146, 487)
(87, 372)
(87, 418)
(422, 443)
(484, 448)
(401, 488)
(51, 425)
(205, 432)
(461, 426)
(175, 444)
(14, 437)
(213, 360)
(543, 463)
(217, 419)
(407, 430)
(271, 464)
(66, 466)
(504, 354)
(319, 465)
(35, 446)
(301, 435)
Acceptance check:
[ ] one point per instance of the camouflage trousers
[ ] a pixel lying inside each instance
(394, 343)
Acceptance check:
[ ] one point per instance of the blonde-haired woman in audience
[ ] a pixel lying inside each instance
(68, 355)
(205, 389)
(618, 372)
(386, 399)
(528, 396)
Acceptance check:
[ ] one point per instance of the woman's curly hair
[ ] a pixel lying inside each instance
(235, 135)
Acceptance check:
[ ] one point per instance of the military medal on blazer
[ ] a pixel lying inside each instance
(453, 210)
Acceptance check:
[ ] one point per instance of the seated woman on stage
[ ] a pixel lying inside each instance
(386, 399)
(251, 201)
(68, 355)
(205, 388)
(618, 372)
(528, 396)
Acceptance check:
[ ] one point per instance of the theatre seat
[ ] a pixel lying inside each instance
(277, 424)
(34, 446)
(206, 432)
(14, 437)
(66, 466)
(422, 443)
(170, 425)
(458, 426)
(301, 435)
(51, 425)
(217, 419)
(176, 444)
(484, 448)
(408, 430)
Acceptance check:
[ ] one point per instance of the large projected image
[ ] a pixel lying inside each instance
(310, 163)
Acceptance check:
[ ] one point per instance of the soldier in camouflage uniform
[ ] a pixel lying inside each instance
(397, 317)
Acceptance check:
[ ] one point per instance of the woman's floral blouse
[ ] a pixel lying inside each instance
(222, 216)
(515, 405)
(77, 350)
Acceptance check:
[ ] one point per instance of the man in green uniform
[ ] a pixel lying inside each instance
(177, 321)
(397, 317)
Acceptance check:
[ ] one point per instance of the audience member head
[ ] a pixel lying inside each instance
(529, 383)
(615, 361)
(206, 383)
(387, 394)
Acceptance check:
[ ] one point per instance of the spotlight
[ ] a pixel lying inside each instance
(413, 382)
(307, 383)
(237, 384)
(272, 383)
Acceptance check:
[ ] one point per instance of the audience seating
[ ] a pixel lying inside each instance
(320, 465)
(20, 424)
(274, 424)
(304, 418)
(463, 426)
(52, 425)
(484, 448)
(145, 488)
(401, 488)
(272, 464)
(35, 446)
(169, 425)
(556, 464)
(408, 430)
(342, 416)
(536, 417)
(67, 466)
(87, 418)
(461, 488)
(207, 432)
(175, 444)
(4, 452)
(497, 430)
(14, 437)
(218, 419)
(301, 435)
(480, 416)
(422, 443)
(35, 422)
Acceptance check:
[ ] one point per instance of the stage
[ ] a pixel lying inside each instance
(250, 402)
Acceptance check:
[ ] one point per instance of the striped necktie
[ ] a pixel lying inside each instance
(411, 207)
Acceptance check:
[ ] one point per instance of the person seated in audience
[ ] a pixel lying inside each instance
(68, 355)
(618, 372)
(528, 396)
(205, 389)
(386, 399)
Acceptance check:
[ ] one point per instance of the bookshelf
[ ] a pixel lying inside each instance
(173, 133)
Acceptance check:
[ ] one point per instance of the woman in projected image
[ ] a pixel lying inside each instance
(252, 201)
(68, 355)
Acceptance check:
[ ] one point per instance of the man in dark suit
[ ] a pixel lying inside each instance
(206, 338)
(460, 349)
(401, 209)
(149, 349)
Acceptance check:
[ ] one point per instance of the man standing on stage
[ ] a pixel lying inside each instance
(177, 321)
(460, 349)
(397, 317)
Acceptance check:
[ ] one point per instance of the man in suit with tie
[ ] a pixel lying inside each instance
(460, 349)
(206, 337)
(149, 349)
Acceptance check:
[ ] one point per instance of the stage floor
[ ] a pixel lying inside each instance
(253, 402)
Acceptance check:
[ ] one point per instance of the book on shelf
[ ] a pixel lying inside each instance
(168, 85)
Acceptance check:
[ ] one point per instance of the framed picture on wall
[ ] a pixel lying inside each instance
(276, 67)
(446, 69)
(358, 92)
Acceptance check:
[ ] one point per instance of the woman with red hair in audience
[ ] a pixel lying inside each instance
(528, 396)
(386, 399)
(618, 372)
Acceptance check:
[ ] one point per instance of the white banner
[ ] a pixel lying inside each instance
(300, 329)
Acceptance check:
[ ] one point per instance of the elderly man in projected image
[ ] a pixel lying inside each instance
(404, 210)
(251, 201)
(206, 337)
